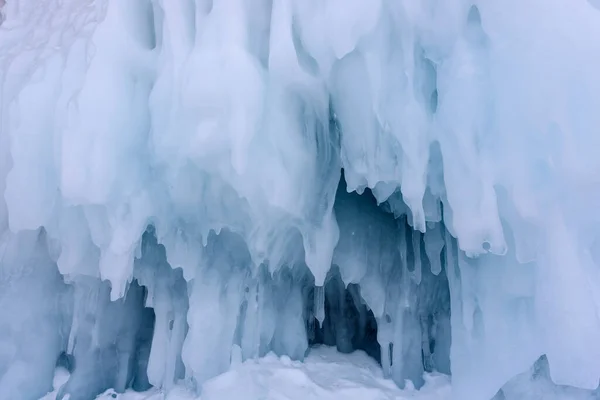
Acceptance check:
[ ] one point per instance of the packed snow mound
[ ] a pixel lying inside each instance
(327, 374)
(324, 375)
(416, 179)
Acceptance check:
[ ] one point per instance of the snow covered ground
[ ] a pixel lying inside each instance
(325, 375)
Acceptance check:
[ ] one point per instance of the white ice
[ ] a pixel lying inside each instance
(419, 180)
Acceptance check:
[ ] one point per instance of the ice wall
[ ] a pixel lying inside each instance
(169, 171)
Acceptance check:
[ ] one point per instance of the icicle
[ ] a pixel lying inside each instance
(434, 243)
(407, 361)
(405, 277)
(250, 341)
(402, 241)
(386, 359)
(428, 362)
(384, 337)
(177, 327)
(74, 327)
(290, 335)
(259, 317)
(320, 304)
(416, 242)
(268, 318)
(469, 300)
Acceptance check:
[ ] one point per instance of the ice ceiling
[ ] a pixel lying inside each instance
(184, 179)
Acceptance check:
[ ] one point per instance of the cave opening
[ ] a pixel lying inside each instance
(387, 292)
(348, 323)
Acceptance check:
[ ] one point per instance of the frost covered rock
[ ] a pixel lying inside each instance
(415, 179)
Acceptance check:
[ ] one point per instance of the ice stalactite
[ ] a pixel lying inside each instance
(167, 297)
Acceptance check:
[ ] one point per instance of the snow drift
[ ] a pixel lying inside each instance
(416, 179)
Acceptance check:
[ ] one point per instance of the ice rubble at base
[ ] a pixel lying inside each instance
(170, 170)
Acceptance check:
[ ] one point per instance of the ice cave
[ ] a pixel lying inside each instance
(299, 199)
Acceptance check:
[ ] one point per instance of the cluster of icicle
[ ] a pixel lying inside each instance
(169, 171)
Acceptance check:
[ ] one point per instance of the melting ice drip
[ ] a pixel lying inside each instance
(170, 173)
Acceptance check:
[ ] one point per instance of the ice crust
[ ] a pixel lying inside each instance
(172, 186)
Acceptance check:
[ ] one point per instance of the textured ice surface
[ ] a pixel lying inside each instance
(181, 178)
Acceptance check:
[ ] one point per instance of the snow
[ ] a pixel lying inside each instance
(418, 180)
(325, 374)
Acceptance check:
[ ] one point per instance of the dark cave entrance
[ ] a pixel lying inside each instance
(348, 324)
(411, 266)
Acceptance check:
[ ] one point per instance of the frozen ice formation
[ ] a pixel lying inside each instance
(180, 178)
